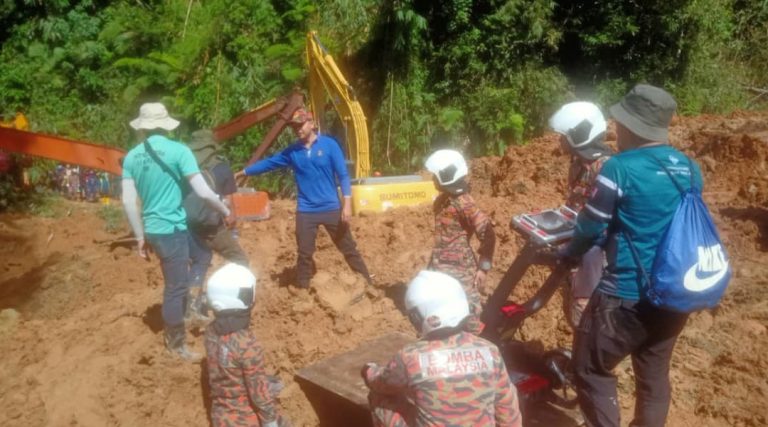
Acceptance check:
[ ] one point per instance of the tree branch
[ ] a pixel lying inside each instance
(759, 90)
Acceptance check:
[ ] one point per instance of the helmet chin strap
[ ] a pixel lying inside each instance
(459, 187)
(444, 332)
(416, 319)
(228, 321)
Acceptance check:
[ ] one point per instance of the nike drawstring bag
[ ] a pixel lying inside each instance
(691, 269)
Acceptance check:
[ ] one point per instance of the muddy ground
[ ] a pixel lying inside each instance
(80, 333)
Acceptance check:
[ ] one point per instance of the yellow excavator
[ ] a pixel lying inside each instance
(375, 194)
(369, 194)
(19, 121)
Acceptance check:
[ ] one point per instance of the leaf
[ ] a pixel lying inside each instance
(292, 73)
(167, 59)
(278, 51)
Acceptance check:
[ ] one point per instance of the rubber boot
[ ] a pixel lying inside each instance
(175, 343)
(194, 314)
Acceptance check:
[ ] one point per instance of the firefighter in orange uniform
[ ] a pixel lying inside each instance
(449, 376)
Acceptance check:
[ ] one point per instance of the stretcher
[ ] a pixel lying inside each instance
(543, 380)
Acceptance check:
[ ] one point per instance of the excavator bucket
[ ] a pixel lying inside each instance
(334, 386)
(251, 205)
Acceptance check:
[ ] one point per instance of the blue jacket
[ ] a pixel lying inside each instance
(318, 170)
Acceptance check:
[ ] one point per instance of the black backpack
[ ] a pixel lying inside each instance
(199, 213)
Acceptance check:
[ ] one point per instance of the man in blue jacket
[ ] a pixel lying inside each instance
(634, 199)
(317, 163)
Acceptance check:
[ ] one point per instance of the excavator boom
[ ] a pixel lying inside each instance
(64, 150)
(282, 108)
(324, 75)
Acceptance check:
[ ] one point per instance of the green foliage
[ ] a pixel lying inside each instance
(35, 199)
(711, 83)
(450, 120)
(750, 19)
(42, 203)
(631, 40)
(473, 74)
(609, 90)
(113, 217)
(402, 134)
(9, 195)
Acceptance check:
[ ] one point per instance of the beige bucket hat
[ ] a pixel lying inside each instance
(153, 115)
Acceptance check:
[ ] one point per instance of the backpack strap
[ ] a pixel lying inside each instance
(636, 257)
(625, 231)
(167, 169)
(209, 178)
(674, 181)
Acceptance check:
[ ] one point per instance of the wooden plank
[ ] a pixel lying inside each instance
(340, 374)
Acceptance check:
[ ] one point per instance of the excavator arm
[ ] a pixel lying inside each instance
(282, 108)
(64, 150)
(325, 77)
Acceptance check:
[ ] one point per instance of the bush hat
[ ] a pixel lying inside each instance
(646, 111)
(153, 115)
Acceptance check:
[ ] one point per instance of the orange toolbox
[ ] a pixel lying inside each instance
(250, 204)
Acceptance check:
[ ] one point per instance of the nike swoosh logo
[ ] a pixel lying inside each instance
(692, 282)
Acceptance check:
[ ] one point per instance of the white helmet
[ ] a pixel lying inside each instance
(435, 300)
(231, 287)
(447, 165)
(583, 125)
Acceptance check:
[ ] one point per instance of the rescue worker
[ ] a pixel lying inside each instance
(457, 219)
(317, 163)
(206, 226)
(153, 172)
(242, 394)
(447, 378)
(634, 197)
(582, 127)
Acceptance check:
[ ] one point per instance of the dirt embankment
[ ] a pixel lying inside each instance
(82, 345)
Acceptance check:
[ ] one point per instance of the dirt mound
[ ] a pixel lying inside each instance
(80, 325)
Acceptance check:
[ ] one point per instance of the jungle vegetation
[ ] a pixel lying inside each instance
(480, 75)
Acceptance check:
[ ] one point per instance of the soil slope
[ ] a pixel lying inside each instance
(80, 333)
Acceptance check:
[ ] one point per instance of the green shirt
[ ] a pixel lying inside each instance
(633, 194)
(160, 194)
